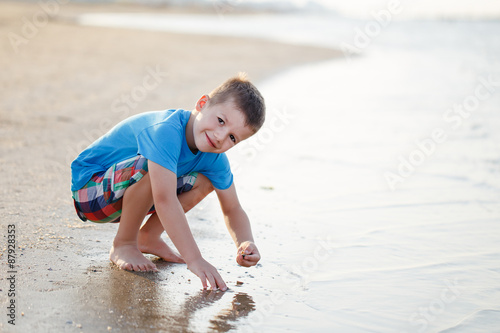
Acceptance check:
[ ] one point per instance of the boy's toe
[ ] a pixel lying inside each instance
(126, 266)
(140, 268)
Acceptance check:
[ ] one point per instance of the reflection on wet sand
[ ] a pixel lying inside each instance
(161, 302)
(241, 305)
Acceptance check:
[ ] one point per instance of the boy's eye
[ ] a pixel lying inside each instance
(220, 121)
(232, 138)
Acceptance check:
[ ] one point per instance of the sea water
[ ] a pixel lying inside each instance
(374, 186)
(392, 159)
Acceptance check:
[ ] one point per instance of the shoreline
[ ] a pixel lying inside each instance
(64, 87)
(340, 250)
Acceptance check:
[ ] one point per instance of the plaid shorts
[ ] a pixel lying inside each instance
(100, 200)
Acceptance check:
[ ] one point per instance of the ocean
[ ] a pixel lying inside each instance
(374, 186)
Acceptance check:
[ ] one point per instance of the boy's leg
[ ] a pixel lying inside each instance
(125, 253)
(150, 234)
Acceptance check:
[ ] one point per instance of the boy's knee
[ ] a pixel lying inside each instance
(204, 184)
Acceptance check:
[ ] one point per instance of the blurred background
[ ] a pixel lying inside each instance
(373, 188)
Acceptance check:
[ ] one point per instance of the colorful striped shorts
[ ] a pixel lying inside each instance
(100, 200)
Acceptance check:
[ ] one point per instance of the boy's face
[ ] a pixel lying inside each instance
(219, 127)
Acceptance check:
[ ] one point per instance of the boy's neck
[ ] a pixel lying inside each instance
(190, 134)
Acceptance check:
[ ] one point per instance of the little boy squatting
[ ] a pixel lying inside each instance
(164, 163)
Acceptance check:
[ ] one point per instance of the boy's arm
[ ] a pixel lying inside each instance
(238, 225)
(173, 219)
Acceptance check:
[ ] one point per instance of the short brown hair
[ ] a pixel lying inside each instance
(245, 95)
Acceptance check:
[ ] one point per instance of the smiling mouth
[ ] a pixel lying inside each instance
(210, 141)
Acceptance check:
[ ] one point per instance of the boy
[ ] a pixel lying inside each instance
(164, 163)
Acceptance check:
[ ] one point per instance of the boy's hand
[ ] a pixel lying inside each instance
(205, 271)
(248, 254)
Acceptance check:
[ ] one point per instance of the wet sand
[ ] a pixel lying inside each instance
(64, 85)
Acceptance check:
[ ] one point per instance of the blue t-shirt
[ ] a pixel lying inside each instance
(159, 136)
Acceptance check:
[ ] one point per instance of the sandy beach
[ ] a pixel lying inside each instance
(62, 86)
(373, 188)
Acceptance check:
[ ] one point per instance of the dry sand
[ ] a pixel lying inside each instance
(61, 88)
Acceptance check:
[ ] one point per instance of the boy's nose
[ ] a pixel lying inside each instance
(216, 135)
(220, 134)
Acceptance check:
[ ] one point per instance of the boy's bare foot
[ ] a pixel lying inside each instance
(156, 246)
(129, 257)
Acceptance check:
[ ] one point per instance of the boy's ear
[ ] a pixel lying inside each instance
(202, 102)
